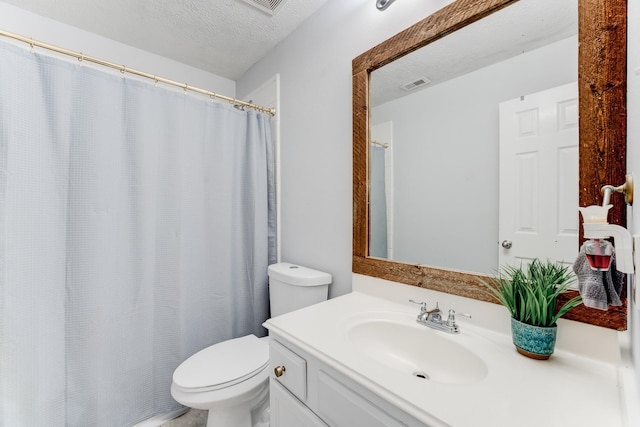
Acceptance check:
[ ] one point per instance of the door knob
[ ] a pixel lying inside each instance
(507, 244)
(279, 371)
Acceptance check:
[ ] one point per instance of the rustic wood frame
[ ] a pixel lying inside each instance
(602, 132)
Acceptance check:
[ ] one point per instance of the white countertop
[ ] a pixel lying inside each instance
(566, 390)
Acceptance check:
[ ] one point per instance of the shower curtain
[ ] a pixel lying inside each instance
(378, 208)
(136, 227)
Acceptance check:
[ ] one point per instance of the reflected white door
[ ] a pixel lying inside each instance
(539, 177)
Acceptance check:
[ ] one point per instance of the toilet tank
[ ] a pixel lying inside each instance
(292, 287)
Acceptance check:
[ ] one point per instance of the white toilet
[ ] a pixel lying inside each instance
(230, 379)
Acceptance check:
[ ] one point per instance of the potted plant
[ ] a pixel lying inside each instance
(531, 296)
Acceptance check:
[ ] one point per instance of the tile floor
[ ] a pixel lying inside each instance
(192, 418)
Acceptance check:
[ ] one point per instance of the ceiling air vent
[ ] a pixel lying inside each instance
(416, 84)
(268, 6)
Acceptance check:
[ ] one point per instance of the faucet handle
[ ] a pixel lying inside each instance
(451, 319)
(423, 305)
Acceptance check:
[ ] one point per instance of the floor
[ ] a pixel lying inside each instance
(192, 418)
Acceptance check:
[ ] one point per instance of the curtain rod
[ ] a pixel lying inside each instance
(81, 57)
(381, 144)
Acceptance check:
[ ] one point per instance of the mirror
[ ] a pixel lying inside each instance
(447, 104)
(601, 82)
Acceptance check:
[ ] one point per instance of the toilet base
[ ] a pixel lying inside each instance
(232, 417)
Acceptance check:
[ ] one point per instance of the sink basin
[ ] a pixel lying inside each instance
(397, 342)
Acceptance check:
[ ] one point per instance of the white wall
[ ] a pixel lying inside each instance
(314, 64)
(27, 24)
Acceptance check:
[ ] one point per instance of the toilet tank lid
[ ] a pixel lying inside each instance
(297, 275)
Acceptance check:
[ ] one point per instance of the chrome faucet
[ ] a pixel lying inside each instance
(433, 318)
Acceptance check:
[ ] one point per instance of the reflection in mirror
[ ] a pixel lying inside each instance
(434, 189)
(601, 145)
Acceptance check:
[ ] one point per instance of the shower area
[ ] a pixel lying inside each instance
(381, 191)
(136, 226)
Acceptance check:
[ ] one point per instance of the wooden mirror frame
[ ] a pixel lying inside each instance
(602, 79)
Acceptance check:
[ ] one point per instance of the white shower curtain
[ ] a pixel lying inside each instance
(136, 226)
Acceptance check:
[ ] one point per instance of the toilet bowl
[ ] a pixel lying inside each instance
(231, 379)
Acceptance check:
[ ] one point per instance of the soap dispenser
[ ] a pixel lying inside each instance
(599, 251)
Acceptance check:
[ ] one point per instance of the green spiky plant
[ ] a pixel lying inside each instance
(531, 294)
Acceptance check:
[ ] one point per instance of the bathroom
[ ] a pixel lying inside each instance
(314, 68)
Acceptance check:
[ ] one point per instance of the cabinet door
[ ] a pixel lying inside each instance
(339, 406)
(287, 411)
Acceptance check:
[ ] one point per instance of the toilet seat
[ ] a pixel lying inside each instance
(222, 365)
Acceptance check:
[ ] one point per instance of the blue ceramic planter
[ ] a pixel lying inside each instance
(536, 342)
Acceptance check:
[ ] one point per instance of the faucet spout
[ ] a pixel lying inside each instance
(434, 315)
(433, 318)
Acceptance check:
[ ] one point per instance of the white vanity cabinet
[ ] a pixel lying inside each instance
(311, 393)
(334, 377)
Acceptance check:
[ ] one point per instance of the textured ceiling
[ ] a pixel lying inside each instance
(225, 37)
(519, 28)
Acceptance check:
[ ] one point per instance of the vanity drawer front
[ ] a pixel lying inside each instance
(339, 406)
(294, 375)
